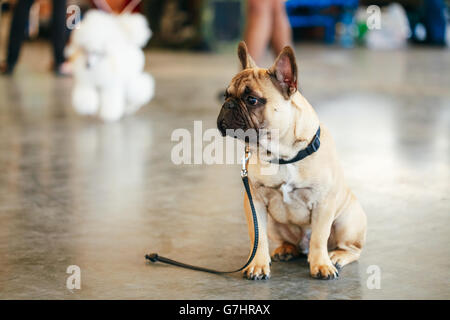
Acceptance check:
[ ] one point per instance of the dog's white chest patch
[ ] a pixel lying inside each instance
(289, 186)
(286, 189)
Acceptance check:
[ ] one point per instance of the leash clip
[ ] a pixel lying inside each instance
(245, 158)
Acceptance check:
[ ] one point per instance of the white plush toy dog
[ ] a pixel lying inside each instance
(108, 61)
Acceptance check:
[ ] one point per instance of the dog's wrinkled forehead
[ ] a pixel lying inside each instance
(248, 79)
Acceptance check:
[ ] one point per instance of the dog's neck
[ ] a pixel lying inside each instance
(302, 129)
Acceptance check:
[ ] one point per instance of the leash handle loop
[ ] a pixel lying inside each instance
(154, 257)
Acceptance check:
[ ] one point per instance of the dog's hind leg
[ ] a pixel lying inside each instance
(348, 235)
(341, 257)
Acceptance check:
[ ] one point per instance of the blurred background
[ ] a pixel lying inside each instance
(212, 24)
(75, 190)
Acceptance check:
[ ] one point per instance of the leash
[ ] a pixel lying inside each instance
(154, 257)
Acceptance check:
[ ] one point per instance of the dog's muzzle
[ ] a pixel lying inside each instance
(229, 117)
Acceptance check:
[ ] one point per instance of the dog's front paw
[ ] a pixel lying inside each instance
(325, 270)
(258, 269)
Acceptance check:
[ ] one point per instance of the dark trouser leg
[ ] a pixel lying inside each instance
(17, 32)
(59, 30)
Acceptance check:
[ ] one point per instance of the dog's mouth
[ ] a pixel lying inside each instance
(236, 122)
(228, 121)
(257, 139)
(238, 131)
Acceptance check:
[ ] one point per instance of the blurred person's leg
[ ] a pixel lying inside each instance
(17, 33)
(59, 32)
(281, 30)
(259, 27)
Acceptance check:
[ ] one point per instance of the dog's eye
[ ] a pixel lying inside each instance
(252, 101)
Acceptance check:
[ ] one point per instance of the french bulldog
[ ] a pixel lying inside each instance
(305, 206)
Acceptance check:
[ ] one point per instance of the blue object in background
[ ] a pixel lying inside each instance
(429, 23)
(435, 21)
(314, 18)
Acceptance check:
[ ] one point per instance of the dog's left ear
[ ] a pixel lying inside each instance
(245, 58)
(284, 72)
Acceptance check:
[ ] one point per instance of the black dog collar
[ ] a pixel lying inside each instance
(302, 154)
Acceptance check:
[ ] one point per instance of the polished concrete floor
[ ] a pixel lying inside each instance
(75, 191)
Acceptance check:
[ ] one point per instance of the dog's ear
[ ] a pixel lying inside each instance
(245, 58)
(284, 72)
